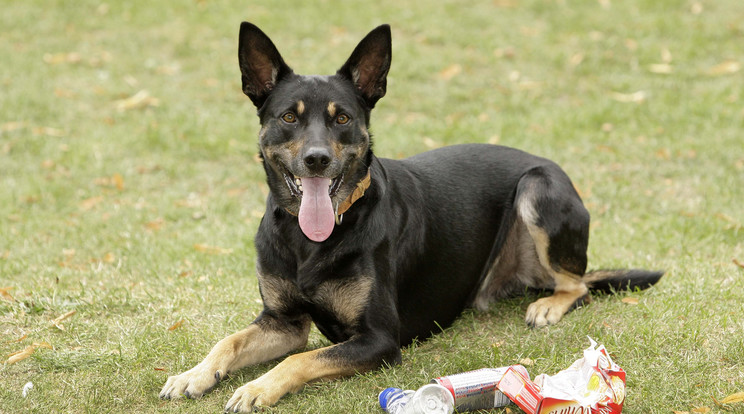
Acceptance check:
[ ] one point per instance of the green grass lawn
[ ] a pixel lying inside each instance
(130, 190)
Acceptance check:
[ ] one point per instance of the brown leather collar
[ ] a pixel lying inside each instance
(355, 195)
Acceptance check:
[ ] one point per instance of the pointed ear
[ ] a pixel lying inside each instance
(261, 65)
(369, 64)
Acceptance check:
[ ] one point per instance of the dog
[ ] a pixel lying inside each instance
(379, 253)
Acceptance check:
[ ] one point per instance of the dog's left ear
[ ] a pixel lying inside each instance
(261, 65)
(369, 64)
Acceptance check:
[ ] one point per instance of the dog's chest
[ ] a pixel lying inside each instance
(335, 305)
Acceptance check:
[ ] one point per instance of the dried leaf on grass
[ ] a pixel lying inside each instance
(528, 362)
(724, 68)
(58, 320)
(734, 398)
(115, 180)
(661, 68)
(211, 249)
(5, 293)
(738, 263)
(176, 325)
(57, 58)
(701, 410)
(139, 100)
(91, 202)
(18, 340)
(634, 97)
(26, 352)
(630, 301)
(450, 72)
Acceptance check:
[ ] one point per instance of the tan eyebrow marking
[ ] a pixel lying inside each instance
(331, 109)
(300, 107)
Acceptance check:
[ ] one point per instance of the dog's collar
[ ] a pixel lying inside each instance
(355, 195)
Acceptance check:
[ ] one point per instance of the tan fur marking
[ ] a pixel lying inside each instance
(346, 299)
(300, 107)
(252, 345)
(276, 291)
(568, 288)
(289, 376)
(331, 109)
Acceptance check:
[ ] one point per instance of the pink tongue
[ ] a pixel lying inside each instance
(316, 212)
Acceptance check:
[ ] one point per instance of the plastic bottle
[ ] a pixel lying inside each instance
(429, 399)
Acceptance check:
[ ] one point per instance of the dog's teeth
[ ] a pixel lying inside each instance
(299, 187)
(298, 182)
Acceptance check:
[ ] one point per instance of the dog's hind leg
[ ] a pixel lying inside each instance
(558, 224)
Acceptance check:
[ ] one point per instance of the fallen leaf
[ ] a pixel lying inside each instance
(431, 143)
(91, 202)
(159, 369)
(450, 72)
(734, 398)
(12, 126)
(26, 352)
(139, 100)
(724, 68)
(680, 412)
(18, 340)
(176, 325)
(211, 249)
(49, 131)
(5, 293)
(57, 58)
(57, 322)
(634, 97)
(109, 258)
(118, 181)
(528, 362)
(661, 68)
(701, 410)
(738, 263)
(630, 301)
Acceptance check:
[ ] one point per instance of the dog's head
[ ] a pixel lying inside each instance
(314, 137)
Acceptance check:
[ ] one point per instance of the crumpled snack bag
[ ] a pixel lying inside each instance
(593, 384)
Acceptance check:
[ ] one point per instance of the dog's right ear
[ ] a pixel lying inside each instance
(261, 65)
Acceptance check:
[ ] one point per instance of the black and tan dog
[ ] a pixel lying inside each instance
(379, 252)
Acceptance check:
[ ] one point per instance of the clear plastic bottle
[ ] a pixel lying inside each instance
(429, 399)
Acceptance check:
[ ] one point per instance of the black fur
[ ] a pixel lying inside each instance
(427, 227)
(431, 235)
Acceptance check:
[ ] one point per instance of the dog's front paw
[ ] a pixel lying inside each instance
(193, 383)
(253, 395)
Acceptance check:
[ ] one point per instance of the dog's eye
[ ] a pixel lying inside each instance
(289, 118)
(343, 119)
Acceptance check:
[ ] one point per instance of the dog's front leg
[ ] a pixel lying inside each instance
(347, 358)
(265, 339)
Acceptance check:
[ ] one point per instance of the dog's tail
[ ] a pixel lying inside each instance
(621, 279)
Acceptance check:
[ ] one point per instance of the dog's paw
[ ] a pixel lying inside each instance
(545, 311)
(253, 396)
(192, 384)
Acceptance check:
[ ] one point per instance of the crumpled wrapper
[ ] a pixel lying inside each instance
(593, 384)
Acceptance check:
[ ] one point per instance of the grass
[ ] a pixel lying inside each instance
(142, 217)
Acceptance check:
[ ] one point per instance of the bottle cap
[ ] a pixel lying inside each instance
(384, 396)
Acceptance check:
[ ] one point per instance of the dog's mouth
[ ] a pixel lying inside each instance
(295, 184)
(317, 214)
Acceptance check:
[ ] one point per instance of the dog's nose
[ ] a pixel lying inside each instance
(317, 159)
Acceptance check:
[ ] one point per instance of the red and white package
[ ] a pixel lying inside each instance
(593, 384)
